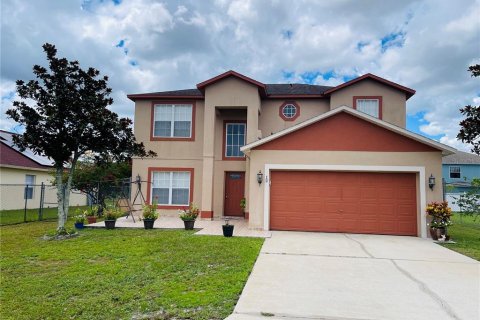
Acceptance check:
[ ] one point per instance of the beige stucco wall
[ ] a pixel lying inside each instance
(394, 101)
(270, 121)
(432, 161)
(12, 188)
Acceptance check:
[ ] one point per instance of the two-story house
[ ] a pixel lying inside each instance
(305, 157)
(459, 169)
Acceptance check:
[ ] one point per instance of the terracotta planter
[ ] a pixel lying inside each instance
(189, 224)
(110, 224)
(91, 219)
(148, 223)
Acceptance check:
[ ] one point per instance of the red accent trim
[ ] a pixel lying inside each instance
(280, 111)
(225, 140)
(152, 113)
(262, 87)
(141, 96)
(247, 215)
(345, 132)
(206, 214)
(149, 184)
(409, 92)
(380, 103)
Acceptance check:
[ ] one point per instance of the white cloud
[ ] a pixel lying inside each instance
(178, 44)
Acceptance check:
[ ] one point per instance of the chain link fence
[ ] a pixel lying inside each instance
(21, 203)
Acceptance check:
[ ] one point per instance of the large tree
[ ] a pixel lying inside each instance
(470, 126)
(69, 116)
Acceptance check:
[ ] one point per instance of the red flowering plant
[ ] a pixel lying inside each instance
(190, 213)
(440, 213)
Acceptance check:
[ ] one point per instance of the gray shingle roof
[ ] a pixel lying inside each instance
(272, 89)
(461, 158)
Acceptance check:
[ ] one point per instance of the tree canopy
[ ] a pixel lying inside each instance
(470, 126)
(70, 117)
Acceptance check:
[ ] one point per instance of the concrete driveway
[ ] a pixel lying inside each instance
(301, 275)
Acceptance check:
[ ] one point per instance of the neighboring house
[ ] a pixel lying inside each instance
(305, 157)
(459, 169)
(21, 176)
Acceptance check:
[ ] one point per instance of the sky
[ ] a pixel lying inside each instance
(148, 45)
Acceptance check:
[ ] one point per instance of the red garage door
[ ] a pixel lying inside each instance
(353, 202)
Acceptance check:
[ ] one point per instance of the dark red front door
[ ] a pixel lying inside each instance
(234, 192)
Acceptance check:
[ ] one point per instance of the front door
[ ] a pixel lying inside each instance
(234, 192)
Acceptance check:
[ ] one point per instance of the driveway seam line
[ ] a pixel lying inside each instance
(358, 257)
(423, 287)
(283, 315)
(361, 246)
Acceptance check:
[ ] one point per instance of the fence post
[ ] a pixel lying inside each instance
(25, 195)
(42, 200)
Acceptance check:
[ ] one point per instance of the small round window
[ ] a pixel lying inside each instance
(289, 111)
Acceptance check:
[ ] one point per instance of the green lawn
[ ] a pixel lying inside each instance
(117, 274)
(17, 216)
(466, 233)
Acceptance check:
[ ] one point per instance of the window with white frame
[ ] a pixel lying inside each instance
(172, 120)
(369, 106)
(455, 172)
(29, 186)
(234, 139)
(171, 187)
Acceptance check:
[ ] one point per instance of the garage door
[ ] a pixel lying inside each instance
(352, 202)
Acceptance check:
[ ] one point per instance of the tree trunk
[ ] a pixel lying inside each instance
(62, 218)
(68, 188)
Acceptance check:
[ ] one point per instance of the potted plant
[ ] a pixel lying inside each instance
(227, 228)
(243, 204)
(91, 214)
(111, 215)
(440, 215)
(79, 220)
(149, 215)
(189, 215)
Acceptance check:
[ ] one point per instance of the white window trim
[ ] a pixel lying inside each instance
(300, 167)
(450, 172)
(170, 189)
(31, 186)
(172, 121)
(294, 107)
(244, 138)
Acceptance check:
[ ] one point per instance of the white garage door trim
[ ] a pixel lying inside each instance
(307, 167)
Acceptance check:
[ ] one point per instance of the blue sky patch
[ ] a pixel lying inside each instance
(309, 77)
(287, 34)
(361, 44)
(117, 2)
(288, 75)
(120, 44)
(133, 63)
(394, 39)
(415, 121)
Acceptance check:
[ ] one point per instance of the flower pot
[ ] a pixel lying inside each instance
(441, 232)
(91, 219)
(110, 224)
(148, 223)
(433, 233)
(189, 224)
(227, 230)
(79, 225)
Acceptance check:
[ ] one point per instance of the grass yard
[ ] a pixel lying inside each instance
(466, 233)
(17, 216)
(121, 273)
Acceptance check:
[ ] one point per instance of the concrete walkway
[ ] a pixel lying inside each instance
(207, 227)
(302, 275)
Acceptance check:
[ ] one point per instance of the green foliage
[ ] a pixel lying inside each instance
(112, 213)
(440, 214)
(243, 203)
(466, 234)
(470, 126)
(190, 213)
(150, 211)
(121, 274)
(469, 202)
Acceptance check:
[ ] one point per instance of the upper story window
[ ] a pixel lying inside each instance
(455, 172)
(172, 121)
(29, 186)
(369, 105)
(235, 134)
(289, 111)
